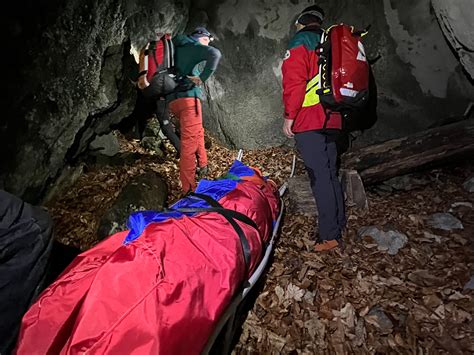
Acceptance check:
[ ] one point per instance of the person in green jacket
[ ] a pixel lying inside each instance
(195, 61)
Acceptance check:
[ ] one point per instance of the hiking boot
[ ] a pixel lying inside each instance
(202, 172)
(324, 245)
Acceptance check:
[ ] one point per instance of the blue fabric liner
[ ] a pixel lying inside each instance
(216, 189)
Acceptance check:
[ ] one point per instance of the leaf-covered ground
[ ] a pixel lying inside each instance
(362, 300)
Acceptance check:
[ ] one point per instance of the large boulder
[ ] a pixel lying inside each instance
(70, 82)
(456, 18)
(144, 192)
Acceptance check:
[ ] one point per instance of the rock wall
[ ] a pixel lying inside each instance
(419, 79)
(68, 63)
(456, 18)
(70, 79)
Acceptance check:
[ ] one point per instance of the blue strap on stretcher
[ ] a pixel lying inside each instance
(216, 189)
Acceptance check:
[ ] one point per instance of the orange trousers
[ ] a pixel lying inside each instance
(189, 113)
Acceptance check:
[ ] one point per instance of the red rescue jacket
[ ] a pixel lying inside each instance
(300, 82)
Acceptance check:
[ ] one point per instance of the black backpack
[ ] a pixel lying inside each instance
(157, 63)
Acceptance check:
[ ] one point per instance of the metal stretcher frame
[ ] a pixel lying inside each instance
(227, 320)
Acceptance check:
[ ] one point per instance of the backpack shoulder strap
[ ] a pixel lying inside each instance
(170, 51)
(363, 32)
(152, 48)
(166, 52)
(143, 61)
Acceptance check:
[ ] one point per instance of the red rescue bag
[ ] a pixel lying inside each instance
(344, 69)
(158, 55)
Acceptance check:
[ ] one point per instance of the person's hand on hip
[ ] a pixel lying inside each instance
(195, 79)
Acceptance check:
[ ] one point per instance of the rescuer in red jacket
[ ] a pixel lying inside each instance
(314, 129)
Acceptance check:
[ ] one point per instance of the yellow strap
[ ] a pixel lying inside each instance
(329, 29)
(362, 34)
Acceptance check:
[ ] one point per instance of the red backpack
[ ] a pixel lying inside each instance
(344, 69)
(157, 63)
(157, 56)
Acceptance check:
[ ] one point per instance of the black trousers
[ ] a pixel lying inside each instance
(319, 154)
(163, 115)
(143, 110)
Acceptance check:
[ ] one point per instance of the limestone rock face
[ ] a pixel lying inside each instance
(419, 80)
(69, 63)
(456, 20)
(71, 81)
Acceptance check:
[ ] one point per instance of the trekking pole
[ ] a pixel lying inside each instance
(163, 116)
(284, 187)
(240, 154)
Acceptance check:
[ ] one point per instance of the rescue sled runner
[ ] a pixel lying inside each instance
(171, 283)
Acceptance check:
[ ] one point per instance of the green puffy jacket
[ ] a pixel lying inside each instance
(193, 59)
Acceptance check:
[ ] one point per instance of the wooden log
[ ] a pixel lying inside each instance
(301, 198)
(354, 191)
(400, 156)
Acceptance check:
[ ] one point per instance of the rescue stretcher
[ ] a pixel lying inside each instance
(226, 327)
(141, 311)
